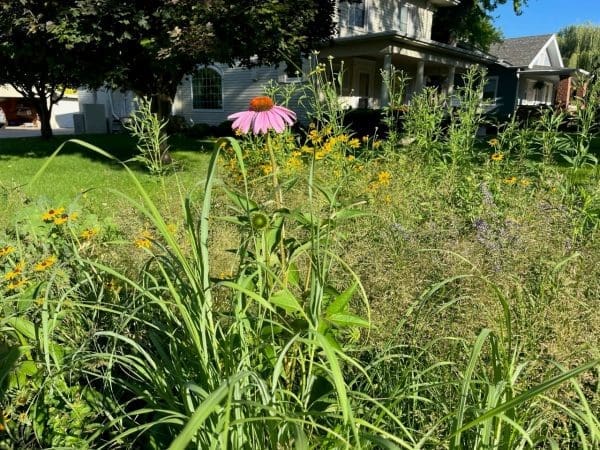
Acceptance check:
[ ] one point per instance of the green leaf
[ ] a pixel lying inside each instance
(348, 320)
(345, 214)
(341, 301)
(22, 326)
(286, 300)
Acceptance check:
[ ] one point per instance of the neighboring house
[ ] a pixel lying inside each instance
(20, 112)
(530, 72)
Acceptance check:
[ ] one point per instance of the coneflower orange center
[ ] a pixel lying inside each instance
(259, 104)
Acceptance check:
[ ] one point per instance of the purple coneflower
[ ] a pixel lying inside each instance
(262, 116)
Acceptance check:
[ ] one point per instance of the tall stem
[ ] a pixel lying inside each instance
(279, 204)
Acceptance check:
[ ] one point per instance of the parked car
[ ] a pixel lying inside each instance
(2, 118)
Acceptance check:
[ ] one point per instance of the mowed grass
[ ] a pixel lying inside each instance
(79, 174)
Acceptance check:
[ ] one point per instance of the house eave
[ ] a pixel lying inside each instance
(388, 38)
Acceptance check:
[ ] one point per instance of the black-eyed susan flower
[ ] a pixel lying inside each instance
(44, 264)
(6, 250)
(89, 233)
(510, 180)
(52, 213)
(17, 284)
(61, 219)
(497, 157)
(494, 142)
(15, 272)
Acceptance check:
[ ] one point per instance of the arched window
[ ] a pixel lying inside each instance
(207, 90)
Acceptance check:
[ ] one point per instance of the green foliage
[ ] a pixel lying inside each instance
(264, 307)
(580, 46)
(149, 130)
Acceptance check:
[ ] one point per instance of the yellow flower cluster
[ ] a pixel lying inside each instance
(513, 180)
(383, 179)
(144, 240)
(16, 277)
(58, 216)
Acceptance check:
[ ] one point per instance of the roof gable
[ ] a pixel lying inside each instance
(529, 51)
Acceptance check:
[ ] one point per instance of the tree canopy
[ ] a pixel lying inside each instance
(148, 46)
(471, 23)
(580, 47)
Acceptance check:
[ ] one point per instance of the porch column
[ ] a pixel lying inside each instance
(420, 76)
(450, 80)
(384, 96)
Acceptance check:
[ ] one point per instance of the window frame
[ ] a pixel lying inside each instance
(493, 100)
(351, 9)
(195, 75)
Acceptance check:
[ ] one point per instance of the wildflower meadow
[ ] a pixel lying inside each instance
(300, 285)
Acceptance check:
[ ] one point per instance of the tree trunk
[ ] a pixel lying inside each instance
(45, 114)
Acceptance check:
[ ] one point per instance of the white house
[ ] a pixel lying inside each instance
(371, 35)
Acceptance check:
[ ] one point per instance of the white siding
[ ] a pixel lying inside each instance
(239, 86)
(413, 18)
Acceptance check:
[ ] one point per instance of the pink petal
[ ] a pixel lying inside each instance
(261, 123)
(286, 114)
(243, 120)
(276, 121)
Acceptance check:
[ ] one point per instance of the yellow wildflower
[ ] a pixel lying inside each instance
(17, 284)
(45, 264)
(350, 158)
(73, 215)
(16, 272)
(61, 219)
(89, 233)
(49, 215)
(266, 169)
(384, 178)
(510, 180)
(320, 154)
(494, 142)
(172, 228)
(497, 156)
(377, 144)
(365, 139)
(525, 182)
(144, 240)
(6, 250)
(354, 143)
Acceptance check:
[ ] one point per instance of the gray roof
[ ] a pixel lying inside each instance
(520, 51)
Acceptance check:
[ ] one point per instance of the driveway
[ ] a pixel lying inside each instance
(18, 132)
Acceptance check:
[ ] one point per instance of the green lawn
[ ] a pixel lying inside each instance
(77, 170)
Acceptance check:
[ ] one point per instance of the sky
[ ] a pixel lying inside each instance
(545, 16)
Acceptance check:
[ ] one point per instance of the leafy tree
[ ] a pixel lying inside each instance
(580, 46)
(470, 22)
(150, 45)
(34, 62)
(147, 46)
